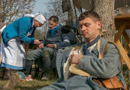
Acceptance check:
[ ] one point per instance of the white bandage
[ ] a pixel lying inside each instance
(55, 46)
(66, 40)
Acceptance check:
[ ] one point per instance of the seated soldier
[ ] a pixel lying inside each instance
(95, 60)
(55, 40)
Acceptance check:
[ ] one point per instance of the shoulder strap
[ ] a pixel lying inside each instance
(105, 49)
(120, 55)
(98, 48)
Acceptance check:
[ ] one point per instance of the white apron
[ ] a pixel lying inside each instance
(13, 55)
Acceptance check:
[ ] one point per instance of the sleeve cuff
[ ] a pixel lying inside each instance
(32, 41)
(80, 64)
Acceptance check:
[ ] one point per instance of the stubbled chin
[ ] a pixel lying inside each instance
(86, 35)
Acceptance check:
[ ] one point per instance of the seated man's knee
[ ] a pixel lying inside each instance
(33, 54)
(47, 51)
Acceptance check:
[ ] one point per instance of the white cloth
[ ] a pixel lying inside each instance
(76, 50)
(39, 17)
(29, 15)
(13, 55)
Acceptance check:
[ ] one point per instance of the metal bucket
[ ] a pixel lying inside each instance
(124, 10)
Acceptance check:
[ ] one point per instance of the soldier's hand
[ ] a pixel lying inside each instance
(74, 58)
(51, 45)
(37, 42)
(41, 45)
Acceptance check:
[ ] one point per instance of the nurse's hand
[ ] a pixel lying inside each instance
(37, 42)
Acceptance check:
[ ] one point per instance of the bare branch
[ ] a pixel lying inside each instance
(13, 9)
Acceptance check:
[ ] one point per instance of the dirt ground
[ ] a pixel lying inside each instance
(31, 85)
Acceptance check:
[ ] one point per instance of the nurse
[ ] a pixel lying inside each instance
(21, 30)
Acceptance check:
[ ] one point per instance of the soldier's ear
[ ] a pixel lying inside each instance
(98, 25)
(57, 23)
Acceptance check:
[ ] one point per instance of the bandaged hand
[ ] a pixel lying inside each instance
(74, 58)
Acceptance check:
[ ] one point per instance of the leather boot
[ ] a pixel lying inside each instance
(7, 74)
(55, 72)
(12, 82)
(45, 76)
(45, 72)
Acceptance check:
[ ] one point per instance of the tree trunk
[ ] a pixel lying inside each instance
(66, 6)
(105, 8)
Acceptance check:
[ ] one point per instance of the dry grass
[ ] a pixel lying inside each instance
(29, 85)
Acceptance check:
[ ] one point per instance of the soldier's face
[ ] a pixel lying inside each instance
(90, 28)
(52, 24)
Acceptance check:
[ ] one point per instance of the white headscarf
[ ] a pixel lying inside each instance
(39, 17)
